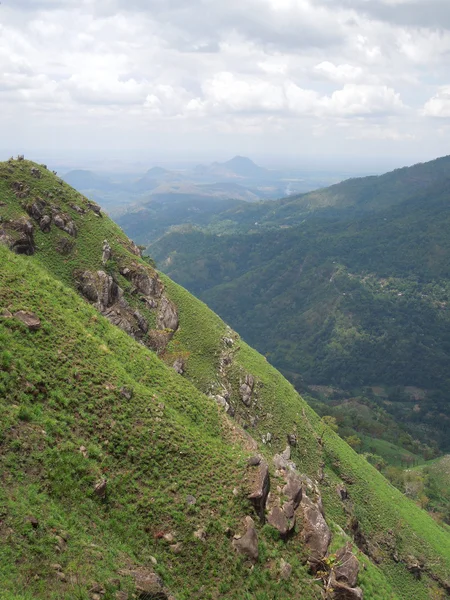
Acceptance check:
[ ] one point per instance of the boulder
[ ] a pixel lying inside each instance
(293, 489)
(247, 544)
(29, 319)
(106, 252)
(341, 591)
(65, 223)
(315, 532)
(246, 389)
(278, 519)
(45, 224)
(346, 568)
(95, 208)
(101, 289)
(167, 315)
(35, 172)
(147, 583)
(178, 365)
(285, 570)
(100, 488)
(259, 488)
(150, 286)
(18, 236)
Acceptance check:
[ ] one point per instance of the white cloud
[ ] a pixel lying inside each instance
(338, 73)
(246, 67)
(439, 105)
(358, 100)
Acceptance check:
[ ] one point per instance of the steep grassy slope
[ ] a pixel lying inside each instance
(82, 401)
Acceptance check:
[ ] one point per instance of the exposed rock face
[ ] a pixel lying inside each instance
(18, 236)
(246, 389)
(167, 315)
(149, 585)
(45, 224)
(315, 531)
(29, 319)
(95, 208)
(178, 365)
(346, 568)
(103, 291)
(283, 520)
(65, 223)
(248, 543)
(150, 287)
(259, 488)
(283, 460)
(293, 489)
(341, 591)
(106, 255)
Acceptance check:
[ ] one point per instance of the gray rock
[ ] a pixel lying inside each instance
(65, 246)
(278, 519)
(259, 488)
(167, 315)
(248, 543)
(315, 533)
(95, 208)
(65, 223)
(246, 389)
(341, 591)
(45, 224)
(190, 500)
(346, 568)
(107, 253)
(29, 319)
(178, 365)
(148, 584)
(150, 286)
(254, 461)
(285, 570)
(293, 489)
(126, 392)
(35, 172)
(100, 488)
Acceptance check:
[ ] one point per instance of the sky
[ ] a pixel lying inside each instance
(353, 83)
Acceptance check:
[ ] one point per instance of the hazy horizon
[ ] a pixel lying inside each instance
(330, 84)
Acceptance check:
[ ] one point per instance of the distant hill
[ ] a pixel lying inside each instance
(88, 180)
(237, 167)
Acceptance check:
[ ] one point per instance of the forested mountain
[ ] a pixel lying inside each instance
(140, 438)
(354, 295)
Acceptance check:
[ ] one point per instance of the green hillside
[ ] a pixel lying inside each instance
(123, 478)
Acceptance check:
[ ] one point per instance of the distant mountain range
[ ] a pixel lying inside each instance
(236, 179)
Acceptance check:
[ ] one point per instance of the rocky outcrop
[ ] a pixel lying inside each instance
(167, 315)
(29, 319)
(338, 590)
(179, 366)
(315, 532)
(64, 222)
(18, 235)
(247, 544)
(246, 389)
(149, 287)
(282, 519)
(106, 252)
(95, 209)
(259, 488)
(35, 172)
(346, 568)
(148, 585)
(101, 289)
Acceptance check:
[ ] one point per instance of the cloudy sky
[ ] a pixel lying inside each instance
(354, 80)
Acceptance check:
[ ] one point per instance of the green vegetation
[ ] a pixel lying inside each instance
(82, 401)
(353, 281)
